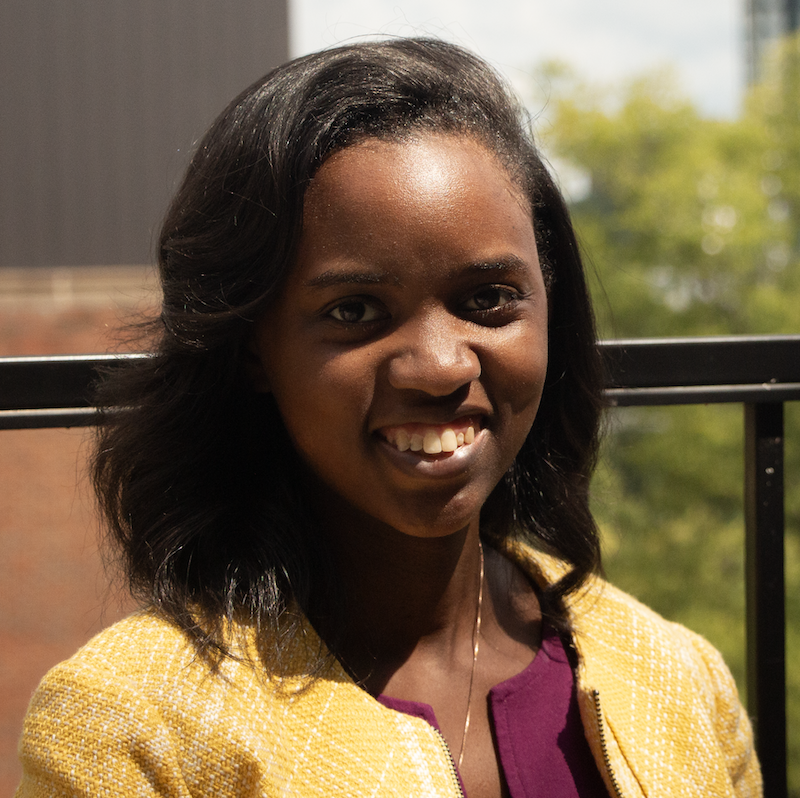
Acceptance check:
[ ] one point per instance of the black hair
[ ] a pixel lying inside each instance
(200, 487)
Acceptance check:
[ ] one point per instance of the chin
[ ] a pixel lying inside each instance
(436, 519)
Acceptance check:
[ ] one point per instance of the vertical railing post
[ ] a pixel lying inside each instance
(766, 623)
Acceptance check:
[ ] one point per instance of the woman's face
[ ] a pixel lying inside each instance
(407, 350)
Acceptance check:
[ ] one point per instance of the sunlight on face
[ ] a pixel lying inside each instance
(408, 349)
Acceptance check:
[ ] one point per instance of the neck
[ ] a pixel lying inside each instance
(401, 593)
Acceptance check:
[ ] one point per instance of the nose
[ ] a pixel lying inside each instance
(433, 354)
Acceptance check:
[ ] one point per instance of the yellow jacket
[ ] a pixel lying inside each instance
(136, 713)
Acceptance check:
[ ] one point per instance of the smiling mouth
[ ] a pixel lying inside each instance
(432, 439)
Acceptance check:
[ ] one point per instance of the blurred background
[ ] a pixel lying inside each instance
(674, 130)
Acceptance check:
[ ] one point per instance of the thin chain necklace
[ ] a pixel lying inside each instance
(476, 639)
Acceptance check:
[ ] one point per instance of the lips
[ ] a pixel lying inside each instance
(432, 438)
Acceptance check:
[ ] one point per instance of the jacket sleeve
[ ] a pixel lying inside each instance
(732, 724)
(86, 735)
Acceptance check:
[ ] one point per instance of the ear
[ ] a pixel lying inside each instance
(254, 367)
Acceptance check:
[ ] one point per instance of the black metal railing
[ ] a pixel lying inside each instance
(759, 372)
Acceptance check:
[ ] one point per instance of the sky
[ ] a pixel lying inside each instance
(604, 40)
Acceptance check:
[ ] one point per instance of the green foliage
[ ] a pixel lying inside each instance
(691, 227)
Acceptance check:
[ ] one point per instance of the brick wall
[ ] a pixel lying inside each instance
(54, 591)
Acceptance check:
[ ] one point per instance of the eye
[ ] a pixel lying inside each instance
(357, 311)
(492, 297)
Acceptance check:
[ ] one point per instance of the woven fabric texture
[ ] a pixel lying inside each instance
(136, 713)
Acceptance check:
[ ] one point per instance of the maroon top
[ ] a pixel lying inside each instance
(541, 746)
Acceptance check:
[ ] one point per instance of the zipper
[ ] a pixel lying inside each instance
(603, 745)
(452, 769)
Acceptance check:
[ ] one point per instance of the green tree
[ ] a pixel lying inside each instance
(690, 227)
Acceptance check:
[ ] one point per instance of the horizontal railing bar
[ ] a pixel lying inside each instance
(48, 418)
(641, 372)
(702, 394)
(730, 360)
(58, 381)
(44, 418)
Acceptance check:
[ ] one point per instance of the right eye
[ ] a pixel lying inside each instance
(356, 311)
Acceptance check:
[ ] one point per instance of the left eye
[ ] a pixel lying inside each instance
(490, 298)
(356, 312)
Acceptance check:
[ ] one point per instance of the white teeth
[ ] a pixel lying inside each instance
(431, 443)
(449, 441)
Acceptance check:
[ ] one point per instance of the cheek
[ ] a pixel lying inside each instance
(522, 368)
(323, 401)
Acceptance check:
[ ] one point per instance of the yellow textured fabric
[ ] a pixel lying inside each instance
(659, 706)
(136, 713)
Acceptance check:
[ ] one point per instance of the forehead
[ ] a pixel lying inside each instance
(436, 199)
(422, 172)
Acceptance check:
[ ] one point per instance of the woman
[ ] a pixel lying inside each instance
(351, 484)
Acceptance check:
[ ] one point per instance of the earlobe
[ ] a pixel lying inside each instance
(254, 368)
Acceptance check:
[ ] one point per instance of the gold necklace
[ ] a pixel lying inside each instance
(476, 639)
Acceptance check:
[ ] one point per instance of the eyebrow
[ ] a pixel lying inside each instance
(506, 263)
(335, 277)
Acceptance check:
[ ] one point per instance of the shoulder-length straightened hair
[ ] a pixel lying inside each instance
(201, 489)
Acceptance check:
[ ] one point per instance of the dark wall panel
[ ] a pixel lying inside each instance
(100, 102)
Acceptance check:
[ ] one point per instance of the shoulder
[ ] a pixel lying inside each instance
(609, 622)
(620, 640)
(665, 692)
(137, 712)
(144, 662)
(612, 630)
(105, 720)
(143, 653)
(120, 647)
(655, 692)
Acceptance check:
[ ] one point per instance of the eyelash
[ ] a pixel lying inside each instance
(511, 294)
(511, 298)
